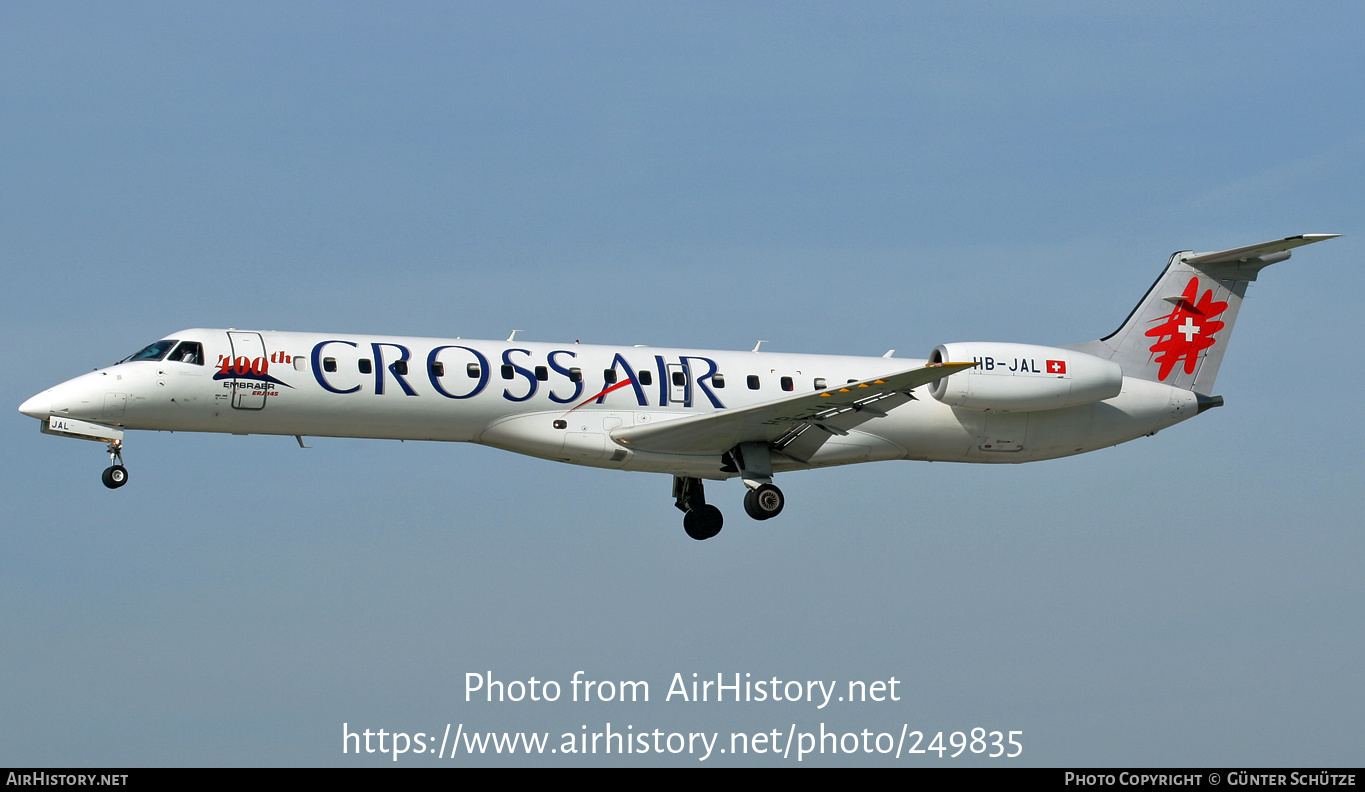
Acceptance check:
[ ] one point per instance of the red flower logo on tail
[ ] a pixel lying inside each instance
(1186, 331)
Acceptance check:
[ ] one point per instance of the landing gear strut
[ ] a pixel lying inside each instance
(700, 519)
(116, 475)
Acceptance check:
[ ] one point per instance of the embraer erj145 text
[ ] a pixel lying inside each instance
(693, 414)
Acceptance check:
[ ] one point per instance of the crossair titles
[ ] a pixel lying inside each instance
(557, 373)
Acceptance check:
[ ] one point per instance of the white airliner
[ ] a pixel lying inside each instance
(692, 414)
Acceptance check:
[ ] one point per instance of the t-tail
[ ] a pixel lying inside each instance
(1179, 331)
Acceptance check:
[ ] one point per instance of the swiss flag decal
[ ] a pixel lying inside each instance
(1056, 367)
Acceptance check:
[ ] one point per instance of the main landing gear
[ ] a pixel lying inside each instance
(764, 502)
(703, 521)
(700, 519)
(116, 475)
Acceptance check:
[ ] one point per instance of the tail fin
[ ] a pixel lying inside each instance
(1178, 332)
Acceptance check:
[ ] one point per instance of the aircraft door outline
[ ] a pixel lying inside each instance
(678, 384)
(248, 393)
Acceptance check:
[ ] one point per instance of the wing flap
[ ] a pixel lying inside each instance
(795, 425)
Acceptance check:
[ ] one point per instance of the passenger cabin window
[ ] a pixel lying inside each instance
(507, 371)
(753, 382)
(400, 368)
(609, 376)
(365, 366)
(472, 370)
(718, 380)
(438, 369)
(787, 384)
(646, 377)
(542, 373)
(820, 383)
(575, 374)
(329, 364)
(188, 352)
(679, 378)
(155, 351)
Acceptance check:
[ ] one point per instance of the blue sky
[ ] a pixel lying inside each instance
(832, 178)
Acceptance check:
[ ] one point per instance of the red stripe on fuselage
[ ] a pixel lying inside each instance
(620, 384)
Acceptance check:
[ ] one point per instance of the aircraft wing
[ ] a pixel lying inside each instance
(795, 425)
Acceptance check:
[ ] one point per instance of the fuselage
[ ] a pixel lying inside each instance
(692, 414)
(557, 401)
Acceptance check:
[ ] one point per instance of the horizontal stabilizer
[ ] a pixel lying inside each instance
(785, 422)
(1243, 254)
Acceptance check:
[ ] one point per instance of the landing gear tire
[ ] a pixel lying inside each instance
(115, 476)
(765, 502)
(703, 522)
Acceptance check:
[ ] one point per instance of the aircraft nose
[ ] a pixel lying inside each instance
(38, 406)
(77, 398)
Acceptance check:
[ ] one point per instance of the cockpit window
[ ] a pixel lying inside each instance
(189, 352)
(155, 351)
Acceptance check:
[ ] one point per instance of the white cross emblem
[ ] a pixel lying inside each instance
(1189, 329)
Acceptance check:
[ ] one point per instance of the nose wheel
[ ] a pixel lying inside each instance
(116, 475)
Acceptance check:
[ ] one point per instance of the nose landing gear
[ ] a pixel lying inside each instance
(116, 475)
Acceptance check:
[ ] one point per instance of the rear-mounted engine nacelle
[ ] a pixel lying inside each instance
(1023, 377)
